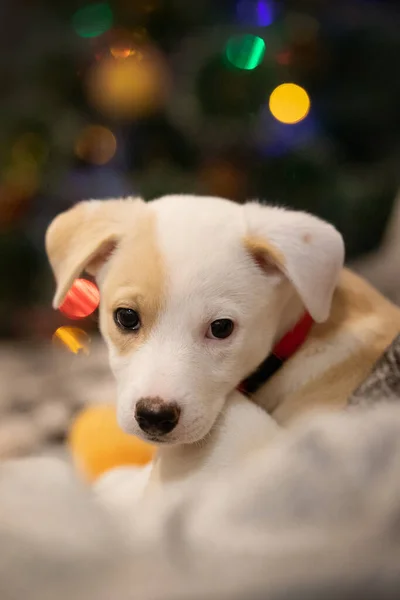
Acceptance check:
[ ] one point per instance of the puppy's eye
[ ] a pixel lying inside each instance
(127, 318)
(220, 329)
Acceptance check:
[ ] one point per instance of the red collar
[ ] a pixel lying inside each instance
(283, 350)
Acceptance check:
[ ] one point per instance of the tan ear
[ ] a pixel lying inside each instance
(309, 252)
(82, 238)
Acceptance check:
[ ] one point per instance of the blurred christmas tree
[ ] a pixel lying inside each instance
(158, 96)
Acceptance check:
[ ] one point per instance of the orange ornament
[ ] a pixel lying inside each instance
(98, 444)
(82, 299)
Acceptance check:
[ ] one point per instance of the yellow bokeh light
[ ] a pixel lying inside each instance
(128, 88)
(96, 144)
(289, 103)
(73, 339)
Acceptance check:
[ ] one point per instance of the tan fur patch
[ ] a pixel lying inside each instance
(329, 391)
(364, 314)
(264, 252)
(353, 300)
(136, 280)
(77, 238)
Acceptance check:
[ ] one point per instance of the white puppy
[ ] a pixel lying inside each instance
(195, 293)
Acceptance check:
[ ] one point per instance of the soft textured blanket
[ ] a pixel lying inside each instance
(316, 514)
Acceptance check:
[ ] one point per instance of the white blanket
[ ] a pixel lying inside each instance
(317, 514)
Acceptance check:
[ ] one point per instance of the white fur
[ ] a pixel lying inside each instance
(313, 252)
(210, 275)
(241, 430)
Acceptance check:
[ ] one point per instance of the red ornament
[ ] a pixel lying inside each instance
(82, 299)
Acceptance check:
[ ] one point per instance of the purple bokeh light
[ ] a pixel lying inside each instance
(259, 13)
(265, 13)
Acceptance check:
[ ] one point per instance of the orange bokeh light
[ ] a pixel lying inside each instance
(135, 86)
(96, 144)
(82, 299)
(121, 51)
(73, 339)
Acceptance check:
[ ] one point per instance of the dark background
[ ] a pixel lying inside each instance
(151, 80)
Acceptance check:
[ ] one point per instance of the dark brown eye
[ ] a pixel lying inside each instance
(127, 318)
(220, 329)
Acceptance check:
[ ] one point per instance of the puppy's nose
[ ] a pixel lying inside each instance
(154, 416)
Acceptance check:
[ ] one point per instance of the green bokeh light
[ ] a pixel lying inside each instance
(93, 20)
(245, 51)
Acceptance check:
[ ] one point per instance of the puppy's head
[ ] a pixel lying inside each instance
(194, 293)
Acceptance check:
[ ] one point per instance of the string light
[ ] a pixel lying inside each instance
(93, 20)
(73, 339)
(289, 103)
(82, 299)
(245, 51)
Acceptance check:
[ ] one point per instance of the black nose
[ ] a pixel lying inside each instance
(154, 416)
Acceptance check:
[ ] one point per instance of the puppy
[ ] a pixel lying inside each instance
(196, 292)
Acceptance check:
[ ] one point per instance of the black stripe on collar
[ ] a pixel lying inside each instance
(253, 382)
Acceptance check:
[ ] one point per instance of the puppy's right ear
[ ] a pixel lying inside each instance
(83, 237)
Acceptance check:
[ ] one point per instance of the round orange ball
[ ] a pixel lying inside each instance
(98, 444)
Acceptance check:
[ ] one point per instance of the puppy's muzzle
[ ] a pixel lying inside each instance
(156, 417)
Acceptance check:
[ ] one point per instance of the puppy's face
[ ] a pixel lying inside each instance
(193, 296)
(187, 314)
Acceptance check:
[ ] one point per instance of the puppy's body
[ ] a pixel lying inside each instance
(338, 354)
(208, 288)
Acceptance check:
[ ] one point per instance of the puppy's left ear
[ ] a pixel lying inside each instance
(83, 238)
(308, 251)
